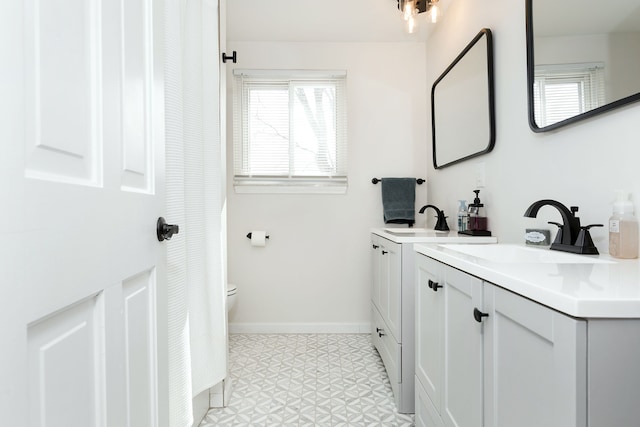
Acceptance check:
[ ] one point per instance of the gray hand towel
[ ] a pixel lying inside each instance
(399, 200)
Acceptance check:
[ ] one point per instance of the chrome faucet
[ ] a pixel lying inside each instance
(441, 222)
(571, 237)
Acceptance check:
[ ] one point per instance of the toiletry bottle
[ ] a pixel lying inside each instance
(463, 215)
(477, 217)
(623, 228)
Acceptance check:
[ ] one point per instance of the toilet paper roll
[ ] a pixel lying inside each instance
(258, 238)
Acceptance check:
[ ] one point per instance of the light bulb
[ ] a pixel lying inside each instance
(434, 13)
(411, 24)
(409, 10)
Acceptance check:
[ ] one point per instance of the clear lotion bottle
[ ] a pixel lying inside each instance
(623, 228)
(463, 215)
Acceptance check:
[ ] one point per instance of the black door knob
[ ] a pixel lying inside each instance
(165, 231)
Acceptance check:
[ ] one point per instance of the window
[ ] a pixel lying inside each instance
(564, 91)
(290, 131)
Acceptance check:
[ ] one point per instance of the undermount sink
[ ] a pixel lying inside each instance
(414, 231)
(505, 253)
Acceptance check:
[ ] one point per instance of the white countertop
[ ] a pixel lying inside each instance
(604, 290)
(421, 235)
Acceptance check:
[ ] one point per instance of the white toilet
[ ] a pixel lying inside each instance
(231, 296)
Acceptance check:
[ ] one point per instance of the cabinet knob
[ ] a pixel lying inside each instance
(478, 315)
(433, 285)
(375, 246)
(384, 252)
(380, 332)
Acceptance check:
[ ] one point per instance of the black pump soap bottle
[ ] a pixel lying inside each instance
(477, 218)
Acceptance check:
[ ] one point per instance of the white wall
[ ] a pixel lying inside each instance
(577, 165)
(314, 272)
(625, 67)
(315, 268)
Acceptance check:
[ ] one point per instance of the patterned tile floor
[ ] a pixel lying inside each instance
(307, 380)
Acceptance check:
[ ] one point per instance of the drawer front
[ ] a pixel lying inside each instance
(389, 349)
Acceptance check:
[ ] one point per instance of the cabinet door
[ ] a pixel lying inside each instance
(535, 369)
(462, 398)
(429, 331)
(376, 261)
(386, 284)
(426, 413)
(393, 278)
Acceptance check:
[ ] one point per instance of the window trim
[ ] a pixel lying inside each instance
(291, 184)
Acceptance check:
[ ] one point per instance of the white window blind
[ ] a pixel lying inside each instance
(564, 91)
(290, 131)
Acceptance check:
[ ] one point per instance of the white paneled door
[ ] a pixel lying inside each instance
(82, 293)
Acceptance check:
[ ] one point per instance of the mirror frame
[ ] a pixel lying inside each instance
(485, 32)
(531, 77)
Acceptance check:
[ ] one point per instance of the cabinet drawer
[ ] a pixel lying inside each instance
(389, 349)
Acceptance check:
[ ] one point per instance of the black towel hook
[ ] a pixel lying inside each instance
(226, 57)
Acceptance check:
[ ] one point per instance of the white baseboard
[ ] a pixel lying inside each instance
(299, 328)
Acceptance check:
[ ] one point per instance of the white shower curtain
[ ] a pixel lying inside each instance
(195, 196)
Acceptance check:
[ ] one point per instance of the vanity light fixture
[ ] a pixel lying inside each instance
(411, 8)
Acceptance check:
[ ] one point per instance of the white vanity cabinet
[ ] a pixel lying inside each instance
(393, 302)
(514, 363)
(391, 320)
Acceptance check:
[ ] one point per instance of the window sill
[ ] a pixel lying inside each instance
(270, 188)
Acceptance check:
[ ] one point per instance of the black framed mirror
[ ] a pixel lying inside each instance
(463, 106)
(583, 59)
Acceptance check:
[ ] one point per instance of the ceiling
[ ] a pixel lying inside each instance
(319, 20)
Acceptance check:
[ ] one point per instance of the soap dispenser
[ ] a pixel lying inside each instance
(623, 228)
(463, 215)
(477, 222)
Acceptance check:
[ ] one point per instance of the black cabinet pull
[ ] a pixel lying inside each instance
(434, 285)
(375, 246)
(380, 334)
(478, 315)
(384, 252)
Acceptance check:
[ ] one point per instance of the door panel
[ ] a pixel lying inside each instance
(62, 52)
(140, 324)
(136, 84)
(66, 366)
